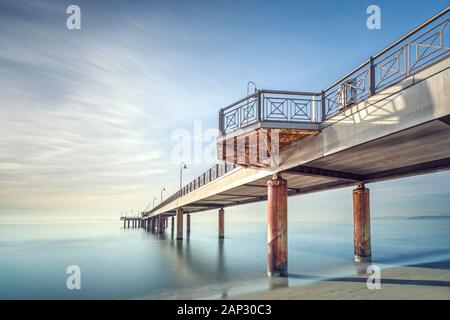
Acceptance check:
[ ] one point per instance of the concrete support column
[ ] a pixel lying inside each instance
(221, 223)
(361, 224)
(172, 224)
(188, 225)
(277, 226)
(153, 224)
(124, 223)
(179, 224)
(162, 224)
(128, 223)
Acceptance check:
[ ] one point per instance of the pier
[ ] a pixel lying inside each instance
(389, 118)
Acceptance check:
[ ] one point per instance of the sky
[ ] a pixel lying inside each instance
(91, 119)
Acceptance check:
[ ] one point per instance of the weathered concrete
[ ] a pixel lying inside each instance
(188, 225)
(162, 224)
(179, 224)
(361, 224)
(221, 223)
(277, 226)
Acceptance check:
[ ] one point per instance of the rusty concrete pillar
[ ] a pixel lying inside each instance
(162, 224)
(172, 224)
(153, 223)
(179, 224)
(128, 223)
(361, 224)
(277, 226)
(124, 223)
(221, 223)
(188, 225)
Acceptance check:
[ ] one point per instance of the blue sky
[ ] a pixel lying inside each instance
(88, 116)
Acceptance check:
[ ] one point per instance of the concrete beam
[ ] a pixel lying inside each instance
(319, 172)
(417, 169)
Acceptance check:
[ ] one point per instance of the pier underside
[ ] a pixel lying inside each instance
(418, 150)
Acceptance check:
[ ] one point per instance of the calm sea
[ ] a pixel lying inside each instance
(133, 263)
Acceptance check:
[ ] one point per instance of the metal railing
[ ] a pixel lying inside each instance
(270, 105)
(206, 177)
(421, 47)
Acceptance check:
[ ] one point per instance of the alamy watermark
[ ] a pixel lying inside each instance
(374, 280)
(73, 281)
(73, 21)
(373, 22)
(201, 145)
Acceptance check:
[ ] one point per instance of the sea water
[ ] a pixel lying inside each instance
(118, 263)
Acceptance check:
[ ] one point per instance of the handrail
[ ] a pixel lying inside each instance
(219, 170)
(392, 45)
(239, 101)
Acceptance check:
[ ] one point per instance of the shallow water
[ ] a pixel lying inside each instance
(133, 263)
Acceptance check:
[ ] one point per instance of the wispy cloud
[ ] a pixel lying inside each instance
(82, 114)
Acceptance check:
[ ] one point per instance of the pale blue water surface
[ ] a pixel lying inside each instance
(134, 263)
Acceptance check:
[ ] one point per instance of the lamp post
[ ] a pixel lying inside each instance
(182, 167)
(154, 199)
(162, 190)
(248, 87)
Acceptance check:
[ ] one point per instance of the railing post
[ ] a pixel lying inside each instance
(408, 59)
(322, 105)
(371, 77)
(221, 127)
(258, 106)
